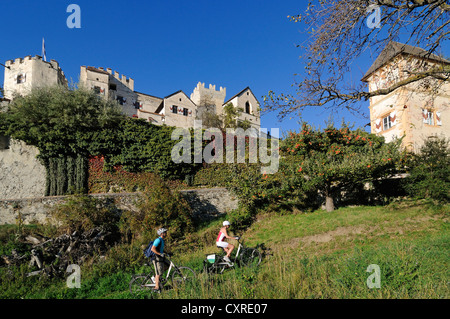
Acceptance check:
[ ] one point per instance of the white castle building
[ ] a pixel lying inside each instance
(177, 109)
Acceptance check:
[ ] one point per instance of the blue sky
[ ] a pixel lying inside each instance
(166, 46)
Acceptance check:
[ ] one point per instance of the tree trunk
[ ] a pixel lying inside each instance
(329, 202)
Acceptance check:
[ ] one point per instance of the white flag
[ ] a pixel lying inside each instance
(43, 50)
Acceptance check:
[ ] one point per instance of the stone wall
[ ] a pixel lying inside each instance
(210, 202)
(21, 173)
(205, 203)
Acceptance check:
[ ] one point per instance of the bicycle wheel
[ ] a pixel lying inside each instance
(140, 285)
(183, 276)
(251, 257)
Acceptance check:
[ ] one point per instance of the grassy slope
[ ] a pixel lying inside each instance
(326, 255)
(316, 255)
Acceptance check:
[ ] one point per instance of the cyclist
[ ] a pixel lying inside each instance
(220, 241)
(160, 263)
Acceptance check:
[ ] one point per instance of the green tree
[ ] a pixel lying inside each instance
(55, 119)
(61, 122)
(230, 115)
(430, 171)
(333, 160)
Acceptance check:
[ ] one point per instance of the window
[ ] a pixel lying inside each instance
(185, 112)
(174, 109)
(430, 117)
(21, 78)
(387, 124)
(113, 87)
(247, 107)
(121, 100)
(97, 89)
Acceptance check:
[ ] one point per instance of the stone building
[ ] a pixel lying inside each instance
(23, 75)
(112, 86)
(414, 111)
(176, 109)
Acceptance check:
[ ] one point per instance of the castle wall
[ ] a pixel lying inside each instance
(419, 130)
(128, 97)
(21, 173)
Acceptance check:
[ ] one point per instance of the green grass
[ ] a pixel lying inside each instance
(315, 255)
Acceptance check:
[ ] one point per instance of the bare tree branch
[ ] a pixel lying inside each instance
(339, 35)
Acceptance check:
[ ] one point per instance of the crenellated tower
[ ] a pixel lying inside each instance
(24, 74)
(203, 96)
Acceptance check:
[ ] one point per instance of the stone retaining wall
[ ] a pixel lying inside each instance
(205, 203)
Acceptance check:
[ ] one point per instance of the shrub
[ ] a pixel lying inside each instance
(144, 147)
(117, 179)
(212, 175)
(82, 213)
(159, 206)
(430, 171)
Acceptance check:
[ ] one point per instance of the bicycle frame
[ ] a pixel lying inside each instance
(238, 250)
(240, 247)
(162, 279)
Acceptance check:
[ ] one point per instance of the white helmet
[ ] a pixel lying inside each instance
(226, 223)
(161, 230)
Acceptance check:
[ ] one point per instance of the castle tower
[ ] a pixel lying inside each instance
(110, 85)
(203, 96)
(414, 111)
(23, 75)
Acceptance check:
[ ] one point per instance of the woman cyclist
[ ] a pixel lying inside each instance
(220, 242)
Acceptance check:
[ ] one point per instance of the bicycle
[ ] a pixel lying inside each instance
(215, 263)
(181, 277)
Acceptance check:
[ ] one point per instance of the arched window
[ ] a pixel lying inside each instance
(247, 107)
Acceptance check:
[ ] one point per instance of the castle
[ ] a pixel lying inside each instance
(177, 109)
(414, 111)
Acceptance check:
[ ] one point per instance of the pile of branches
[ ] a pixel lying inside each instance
(52, 256)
